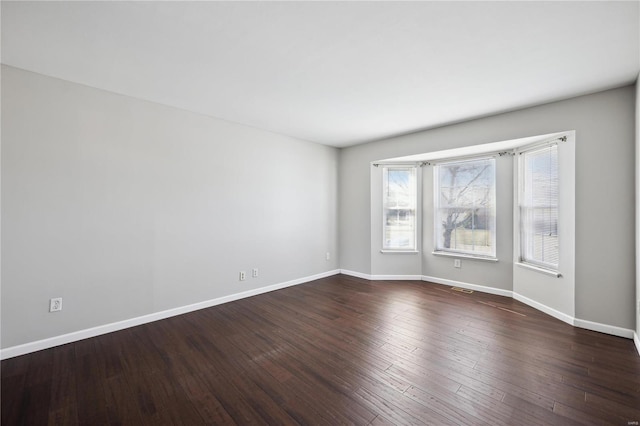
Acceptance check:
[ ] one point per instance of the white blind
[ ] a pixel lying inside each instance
(539, 207)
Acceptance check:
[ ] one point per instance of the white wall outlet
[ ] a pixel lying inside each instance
(254, 272)
(55, 304)
(243, 275)
(457, 263)
(328, 256)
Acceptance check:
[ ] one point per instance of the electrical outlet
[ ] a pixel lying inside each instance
(55, 304)
(254, 272)
(457, 263)
(243, 275)
(328, 256)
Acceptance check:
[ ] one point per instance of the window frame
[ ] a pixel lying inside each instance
(414, 187)
(436, 209)
(544, 267)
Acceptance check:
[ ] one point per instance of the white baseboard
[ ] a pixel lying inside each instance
(396, 277)
(381, 277)
(26, 348)
(576, 322)
(356, 274)
(475, 287)
(604, 328)
(544, 308)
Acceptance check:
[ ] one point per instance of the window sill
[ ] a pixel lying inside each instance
(464, 256)
(539, 269)
(399, 251)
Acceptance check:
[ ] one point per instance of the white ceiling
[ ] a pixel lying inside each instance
(337, 73)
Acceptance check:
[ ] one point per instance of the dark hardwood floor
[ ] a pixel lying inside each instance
(340, 350)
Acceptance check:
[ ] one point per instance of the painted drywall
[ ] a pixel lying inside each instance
(637, 157)
(355, 226)
(0, 196)
(125, 207)
(605, 250)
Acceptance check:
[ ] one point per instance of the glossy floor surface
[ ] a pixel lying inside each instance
(340, 350)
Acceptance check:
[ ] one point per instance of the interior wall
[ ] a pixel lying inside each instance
(355, 226)
(124, 207)
(605, 248)
(637, 157)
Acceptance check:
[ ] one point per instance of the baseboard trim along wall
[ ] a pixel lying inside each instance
(576, 322)
(544, 308)
(475, 287)
(381, 277)
(396, 277)
(356, 274)
(604, 328)
(121, 325)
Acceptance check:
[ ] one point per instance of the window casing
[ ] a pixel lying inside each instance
(465, 206)
(399, 200)
(538, 200)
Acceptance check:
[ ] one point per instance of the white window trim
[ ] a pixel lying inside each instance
(417, 219)
(388, 251)
(551, 272)
(436, 188)
(464, 256)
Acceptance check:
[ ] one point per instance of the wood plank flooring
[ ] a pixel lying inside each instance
(339, 350)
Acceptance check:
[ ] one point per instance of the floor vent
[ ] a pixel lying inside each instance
(462, 290)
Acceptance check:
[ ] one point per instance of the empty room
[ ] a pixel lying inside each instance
(320, 212)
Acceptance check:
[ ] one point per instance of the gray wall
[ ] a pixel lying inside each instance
(605, 248)
(125, 207)
(637, 298)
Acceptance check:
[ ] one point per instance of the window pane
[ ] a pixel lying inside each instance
(539, 199)
(399, 208)
(465, 207)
